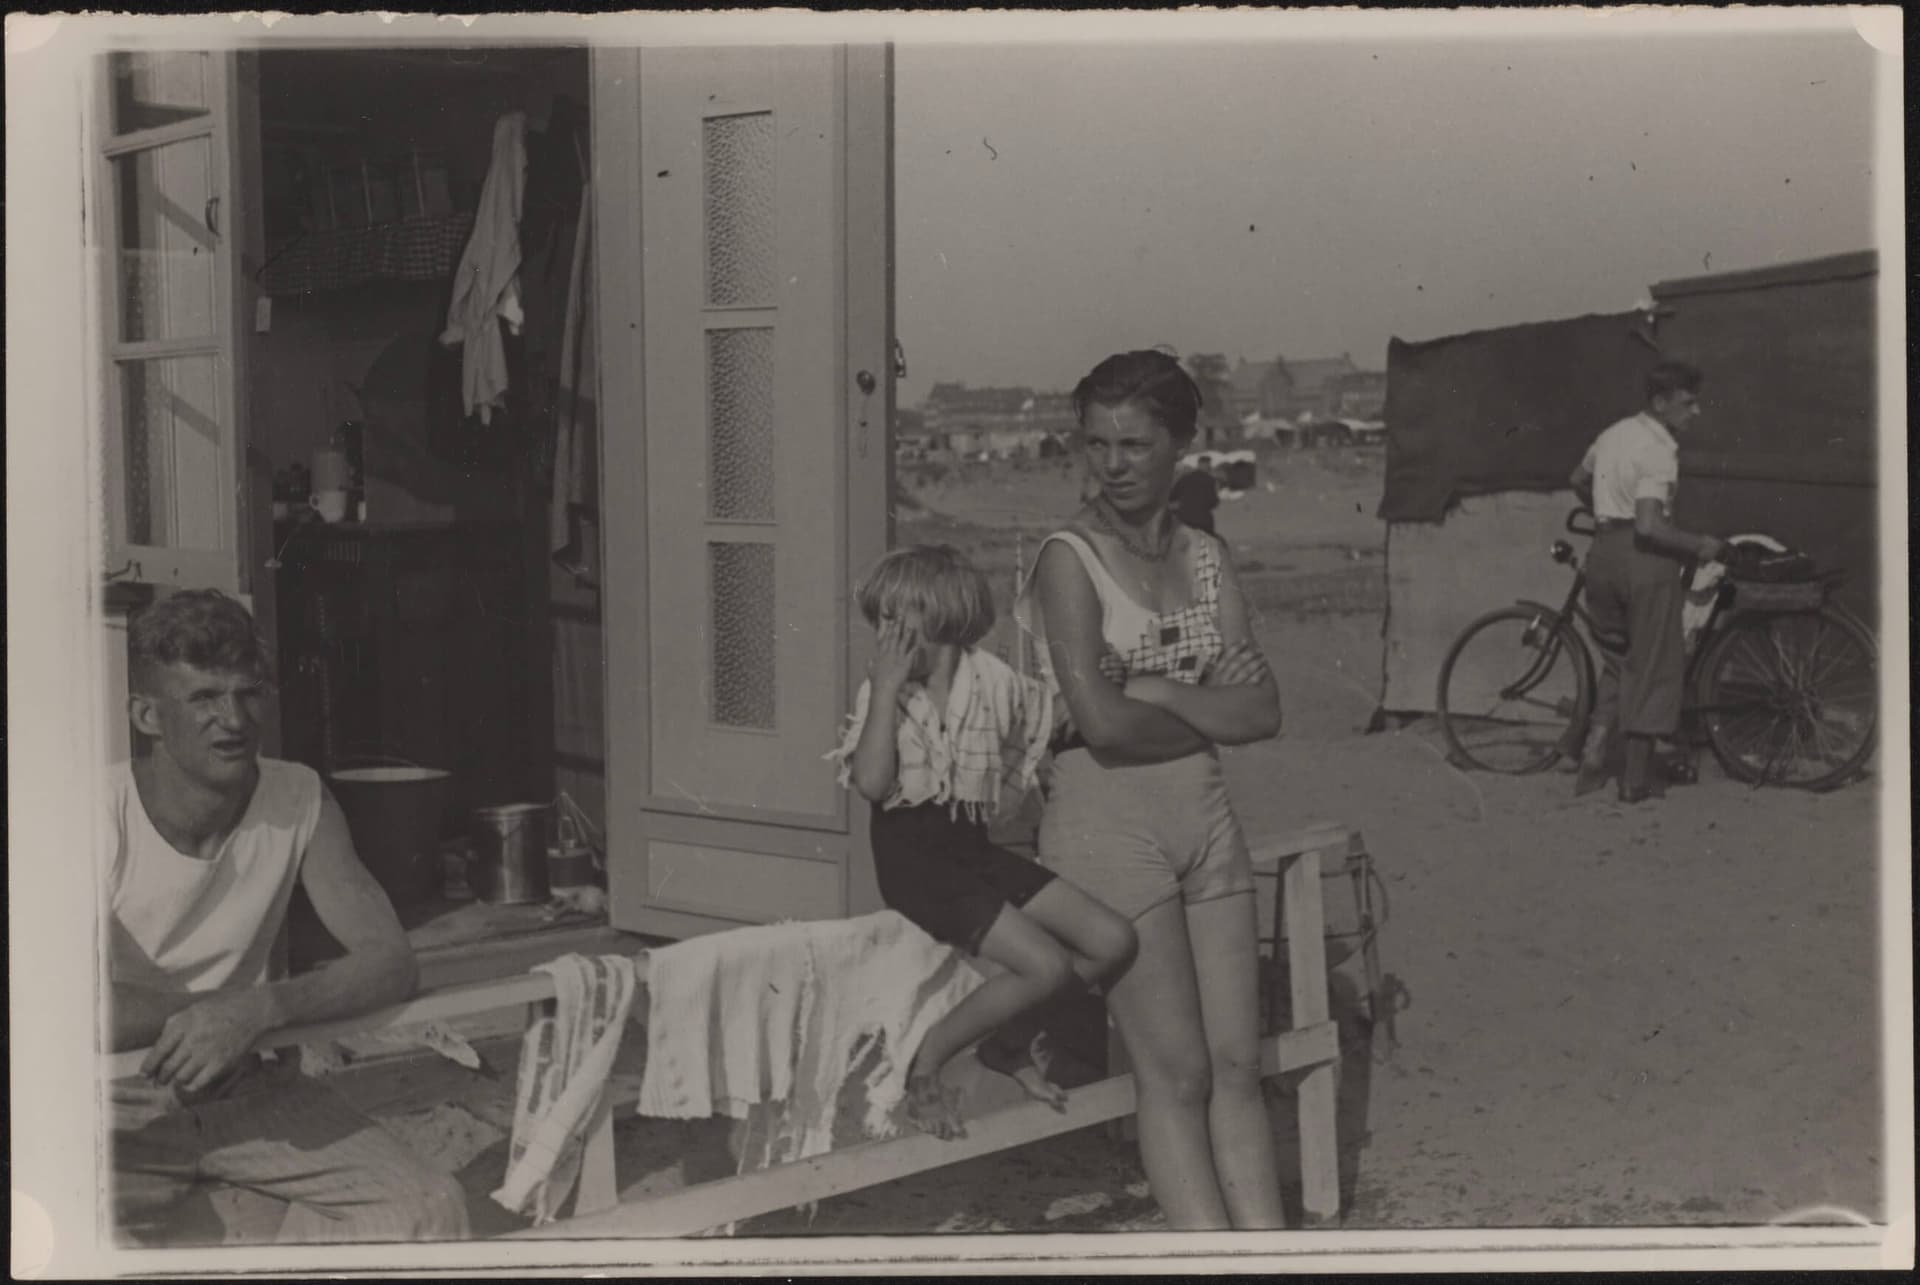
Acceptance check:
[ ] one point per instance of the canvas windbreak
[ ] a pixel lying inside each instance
(1505, 410)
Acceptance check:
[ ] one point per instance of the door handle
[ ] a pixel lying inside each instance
(213, 215)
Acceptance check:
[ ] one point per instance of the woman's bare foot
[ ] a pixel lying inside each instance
(933, 1107)
(1021, 1066)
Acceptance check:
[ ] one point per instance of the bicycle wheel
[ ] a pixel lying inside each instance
(1515, 689)
(1791, 698)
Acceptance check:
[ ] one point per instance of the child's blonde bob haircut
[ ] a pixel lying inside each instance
(935, 581)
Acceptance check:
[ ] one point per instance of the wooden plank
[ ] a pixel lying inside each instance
(433, 1006)
(714, 1204)
(1307, 975)
(1272, 851)
(599, 1188)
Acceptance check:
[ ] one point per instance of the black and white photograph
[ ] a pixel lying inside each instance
(1056, 641)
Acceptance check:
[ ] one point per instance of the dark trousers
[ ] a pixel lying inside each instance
(1637, 592)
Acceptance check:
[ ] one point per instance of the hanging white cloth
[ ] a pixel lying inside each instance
(486, 291)
(565, 1058)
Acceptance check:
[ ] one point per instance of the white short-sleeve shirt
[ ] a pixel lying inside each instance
(1635, 459)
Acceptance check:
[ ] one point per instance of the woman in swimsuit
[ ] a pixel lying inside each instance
(1145, 635)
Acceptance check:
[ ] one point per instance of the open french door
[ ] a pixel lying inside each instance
(744, 231)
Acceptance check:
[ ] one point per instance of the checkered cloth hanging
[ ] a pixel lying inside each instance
(417, 250)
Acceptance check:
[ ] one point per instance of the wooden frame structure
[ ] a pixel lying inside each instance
(601, 1210)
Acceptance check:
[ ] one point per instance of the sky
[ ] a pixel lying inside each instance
(1056, 203)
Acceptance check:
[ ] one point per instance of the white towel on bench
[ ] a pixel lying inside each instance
(774, 1015)
(565, 1058)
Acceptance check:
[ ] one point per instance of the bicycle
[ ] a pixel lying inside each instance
(1782, 682)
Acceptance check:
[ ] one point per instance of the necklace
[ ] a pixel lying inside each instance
(1118, 532)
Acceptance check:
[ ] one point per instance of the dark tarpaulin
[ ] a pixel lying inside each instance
(1505, 410)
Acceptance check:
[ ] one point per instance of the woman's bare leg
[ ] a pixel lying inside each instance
(1157, 1006)
(1226, 968)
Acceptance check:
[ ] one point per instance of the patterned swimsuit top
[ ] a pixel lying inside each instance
(1180, 644)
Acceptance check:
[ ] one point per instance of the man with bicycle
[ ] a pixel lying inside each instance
(1636, 581)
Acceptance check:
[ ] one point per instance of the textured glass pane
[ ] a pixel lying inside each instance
(740, 424)
(154, 89)
(170, 441)
(739, 215)
(743, 635)
(165, 252)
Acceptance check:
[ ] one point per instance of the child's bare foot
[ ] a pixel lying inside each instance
(1022, 1067)
(933, 1107)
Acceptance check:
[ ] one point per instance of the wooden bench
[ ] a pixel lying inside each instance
(602, 1209)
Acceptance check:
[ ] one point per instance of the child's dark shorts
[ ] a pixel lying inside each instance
(942, 872)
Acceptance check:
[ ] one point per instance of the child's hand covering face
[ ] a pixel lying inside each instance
(897, 654)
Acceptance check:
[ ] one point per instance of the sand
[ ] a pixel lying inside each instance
(1606, 1016)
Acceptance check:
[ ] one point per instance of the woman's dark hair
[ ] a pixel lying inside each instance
(1672, 377)
(1154, 380)
(199, 627)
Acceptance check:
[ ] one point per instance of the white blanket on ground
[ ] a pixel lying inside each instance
(565, 1058)
(776, 1015)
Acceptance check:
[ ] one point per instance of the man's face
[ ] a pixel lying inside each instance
(1676, 410)
(208, 723)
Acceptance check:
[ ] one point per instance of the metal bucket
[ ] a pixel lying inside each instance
(570, 862)
(393, 812)
(510, 853)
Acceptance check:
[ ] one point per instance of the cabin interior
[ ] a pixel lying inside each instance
(295, 413)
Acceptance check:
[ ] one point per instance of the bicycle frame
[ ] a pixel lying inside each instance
(1571, 612)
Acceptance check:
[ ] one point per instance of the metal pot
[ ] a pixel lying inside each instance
(510, 853)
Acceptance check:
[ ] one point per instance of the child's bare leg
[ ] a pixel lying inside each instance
(1101, 944)
(1036, 967)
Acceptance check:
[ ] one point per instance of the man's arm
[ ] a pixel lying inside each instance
(1650, 523)
(1581, 480)
(141, 1012)
(199, 1043)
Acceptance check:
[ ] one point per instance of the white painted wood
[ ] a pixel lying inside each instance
(198, 474)
(1307, 976)
(682, 90)
(755, 885)
(671, 767)
(714, 1204)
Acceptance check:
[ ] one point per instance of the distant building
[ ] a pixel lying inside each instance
(1000, 423)
(1313, 387)
(1260, 390)
(1361, 395)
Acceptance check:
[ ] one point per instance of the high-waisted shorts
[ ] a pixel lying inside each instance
(1134, 835)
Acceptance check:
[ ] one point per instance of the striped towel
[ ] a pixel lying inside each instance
(565, 1058)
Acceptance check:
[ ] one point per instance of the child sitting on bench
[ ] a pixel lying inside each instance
(938, 728)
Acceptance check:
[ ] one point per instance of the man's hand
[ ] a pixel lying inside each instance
(1713, 549)
(200, 1044)
(1240, 665)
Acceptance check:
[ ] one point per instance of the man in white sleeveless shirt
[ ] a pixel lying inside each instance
(209, 840)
